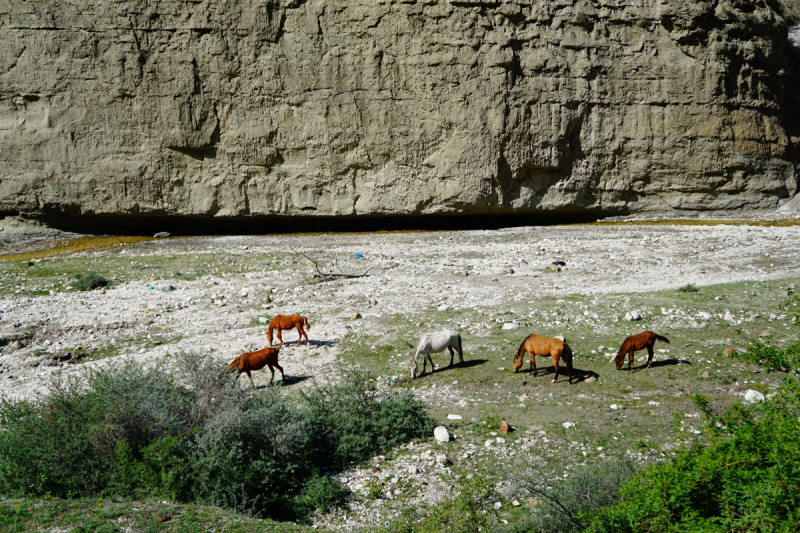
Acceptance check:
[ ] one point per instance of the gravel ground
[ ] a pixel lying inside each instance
(230, 285)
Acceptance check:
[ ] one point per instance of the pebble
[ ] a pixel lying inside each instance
(510, 325)
(498, 505)
(568, 425)
(442, 459)
(355, 316)
(454, 417)
(162, 235)
(728, 317)
(444, 307)
(614, 407)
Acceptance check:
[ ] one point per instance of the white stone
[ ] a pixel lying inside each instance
(753, 396)
(568, 425)
(510, 325)
(454, 417)
(614, 407)
(500, 440)
(728, 317)
(442, 459)
(498, 505)
(515, 503)
(441, 434)
(262, 320)
(444, 307)
(489, 443)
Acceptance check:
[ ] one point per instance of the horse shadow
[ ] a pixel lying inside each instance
(656, 364)
(312, 343)
(578, 375)
(466, 364)
(287, 382)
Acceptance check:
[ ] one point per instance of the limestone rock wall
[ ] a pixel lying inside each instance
(234, 108)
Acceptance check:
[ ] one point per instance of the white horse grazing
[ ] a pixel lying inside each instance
(434, 343)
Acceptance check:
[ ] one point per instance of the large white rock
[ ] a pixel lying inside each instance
(510, 325)
(753, 396)
(441, 434)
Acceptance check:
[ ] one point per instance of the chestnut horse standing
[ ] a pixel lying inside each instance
(634, 343)
(251, 361)
(282, 322)
(544, 347)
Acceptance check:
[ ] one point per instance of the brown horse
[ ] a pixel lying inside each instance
(282, 322)
(544, 347)
(634, 343)
(252, 361)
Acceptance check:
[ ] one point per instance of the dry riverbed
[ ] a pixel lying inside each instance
(214, 295)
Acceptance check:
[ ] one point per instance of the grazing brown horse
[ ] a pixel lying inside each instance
(251, 361)
(282, 322)
(544, 347)
(634, 343)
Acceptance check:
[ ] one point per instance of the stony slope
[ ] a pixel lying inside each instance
(380, 107)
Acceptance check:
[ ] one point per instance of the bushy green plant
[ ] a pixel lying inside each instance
(355, 422)
(140, 432)
(772, 358)
(688, 288)
(746, 479)
(90, 281)
(569, 505)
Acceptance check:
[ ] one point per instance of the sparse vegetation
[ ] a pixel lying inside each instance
(688, 288)
(772, 358)
(90, 281)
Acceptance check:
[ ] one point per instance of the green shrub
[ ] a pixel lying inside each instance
(90, 281)
(568, 506)
(772, 358)
(688, 288)
(355, 422)
(746, 479)
(139, 432)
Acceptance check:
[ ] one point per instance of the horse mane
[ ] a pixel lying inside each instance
(416, 353)
(623, 350)
(521, 350)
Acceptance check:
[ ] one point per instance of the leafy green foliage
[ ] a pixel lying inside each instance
(468, 512)
(746, 479)
(688, 288)
(355, 422)
(771, 358)
(569, 505)
(138, 432)
(90, 281)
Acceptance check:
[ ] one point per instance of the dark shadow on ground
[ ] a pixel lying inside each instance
(578, 375)
(656, 364)
(289, 381)
(465, 364)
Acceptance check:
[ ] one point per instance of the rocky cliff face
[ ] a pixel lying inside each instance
(233, 108)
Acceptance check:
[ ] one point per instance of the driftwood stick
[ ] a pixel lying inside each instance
(327, 276)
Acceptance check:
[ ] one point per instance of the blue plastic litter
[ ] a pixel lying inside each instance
(359, 256)
(150, 288)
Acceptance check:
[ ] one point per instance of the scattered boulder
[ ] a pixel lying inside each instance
(162, 235)
(454, 417)
(553, 267)
(568, 425)
(442, 459)
(444, 307)
(16, 345)
(489, 443)
(504, 427)
(263, 320)
(355, 316)
(753, 396)
(729, 350)
(441, 434)
(498, 505)
(728, 317)
(500, 440)
(33, 363)
(510, 325)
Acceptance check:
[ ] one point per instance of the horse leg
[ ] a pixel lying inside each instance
(430, 358)
(280, 338)
(452, 354)
(301, 332)
(272, 378)
(649, 355)
(424, 362)
(533, 362)
(283, 377)
(555, 364)
(252, 385)
(630, 360)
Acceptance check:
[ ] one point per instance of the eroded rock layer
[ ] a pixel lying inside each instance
(235, 108)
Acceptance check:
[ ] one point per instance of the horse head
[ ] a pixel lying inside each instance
(620, 359)
(517, 362)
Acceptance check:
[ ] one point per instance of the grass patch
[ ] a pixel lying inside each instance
(688, 288)
(772, 359)
(90, 281)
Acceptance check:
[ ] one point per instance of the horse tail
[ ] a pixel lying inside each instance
(662, 339)
(566, 353)
(460, 351)
(230, 366)
(305, 321)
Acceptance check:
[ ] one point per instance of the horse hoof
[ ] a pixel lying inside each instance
(553, 381)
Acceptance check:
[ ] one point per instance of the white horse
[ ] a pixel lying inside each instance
(434, 343)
